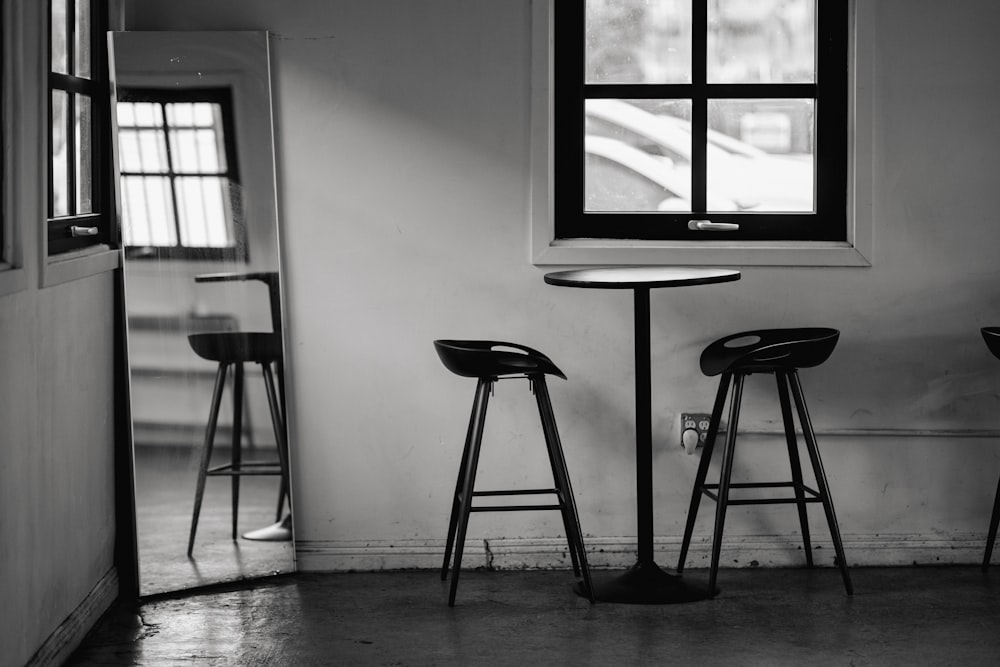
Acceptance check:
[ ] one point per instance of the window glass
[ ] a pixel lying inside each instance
(59, 40)
(761, 41)
(84, 164)
(60, 154)
(81, 33)
(761, 154)
(148, 210)
(202, 214)
(638, 41)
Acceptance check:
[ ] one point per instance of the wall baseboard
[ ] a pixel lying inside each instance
(70, 633)
(620, 552)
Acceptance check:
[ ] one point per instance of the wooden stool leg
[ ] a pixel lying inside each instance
(456, 502)
(795, 463)
(703, 465)
(821, 483)
(469, 482)
(560, 474)
(236, 455)
(991, 538)
(206, 451)
(724, 477)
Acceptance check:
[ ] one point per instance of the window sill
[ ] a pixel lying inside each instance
(70, 266)
(693, 253)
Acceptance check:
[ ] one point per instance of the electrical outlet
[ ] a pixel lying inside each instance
(694, 430)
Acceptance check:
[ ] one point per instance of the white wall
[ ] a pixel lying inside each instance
(403, 144)
(57, 429)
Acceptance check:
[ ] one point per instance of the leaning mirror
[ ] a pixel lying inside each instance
(197, 197)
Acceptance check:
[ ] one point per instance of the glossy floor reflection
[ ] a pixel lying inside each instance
(164, 500)
(898, 616)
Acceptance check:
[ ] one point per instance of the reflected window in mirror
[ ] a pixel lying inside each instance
(179, 176)
(79, 107)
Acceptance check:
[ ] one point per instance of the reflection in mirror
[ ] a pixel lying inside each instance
(202, 297)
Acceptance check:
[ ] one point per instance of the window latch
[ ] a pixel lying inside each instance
(76, 231)
(709, 226)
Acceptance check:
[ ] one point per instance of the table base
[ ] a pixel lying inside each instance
(646, 583)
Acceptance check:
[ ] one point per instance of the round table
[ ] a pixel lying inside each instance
(644, 582)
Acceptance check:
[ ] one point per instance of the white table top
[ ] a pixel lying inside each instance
(630, 277)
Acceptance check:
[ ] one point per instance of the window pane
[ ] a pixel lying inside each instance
(82, 41)
(60, 154)
(206, 114)
(636, 41)
(147, 209)
(148, 114)
(202, 214)
(638, 155)
(762, 41)
(194, 151)
(84, 155)
(761, 154)
(58, 38)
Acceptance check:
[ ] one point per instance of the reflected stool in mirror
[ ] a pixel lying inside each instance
(779, 352)
(231, 350)
(488, 362)
(992, 337)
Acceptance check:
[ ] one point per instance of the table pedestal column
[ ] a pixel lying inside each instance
(645, 582)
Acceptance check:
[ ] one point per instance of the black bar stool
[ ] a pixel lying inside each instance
(992, 337)
(233, 349)
(489, 361)
(780, 352)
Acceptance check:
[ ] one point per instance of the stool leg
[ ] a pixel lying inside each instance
(236, 455)
(469, 482)
(560, 474)
(540, 390)
(824, 488)
(278, 424)
(206, 451)
(727, 471)
(284, 490)
(456, 502)
(703, 464)
(991, 538)
(795, 463)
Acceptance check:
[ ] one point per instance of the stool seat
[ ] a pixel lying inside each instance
(490, 358)
(992, 337)
(779, 352)
(490, 361)
(232, 347)
(768, 350)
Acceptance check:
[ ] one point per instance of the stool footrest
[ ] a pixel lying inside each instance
(711, 490)
(246, 468)
(513, 508)
(514, 492)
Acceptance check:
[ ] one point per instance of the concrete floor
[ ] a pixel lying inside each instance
(898, 616)
(164, 494)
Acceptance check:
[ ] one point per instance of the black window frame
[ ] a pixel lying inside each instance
(223, 96)
(60, 234)
(828, 222)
